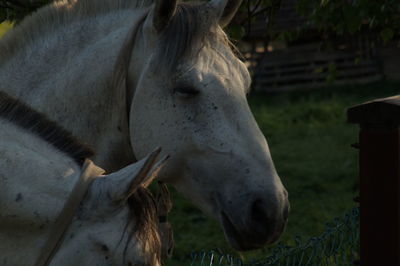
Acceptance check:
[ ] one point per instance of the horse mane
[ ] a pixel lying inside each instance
(143, 207)
(51, 17)
(184, 36)
(190, 30)
(25, 117)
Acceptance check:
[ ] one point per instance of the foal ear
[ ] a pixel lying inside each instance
(164, 10)
(123, 183)
(227, 10)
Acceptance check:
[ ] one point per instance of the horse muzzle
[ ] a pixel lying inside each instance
(261, 226)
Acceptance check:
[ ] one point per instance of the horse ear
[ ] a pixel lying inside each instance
(164, 10)
(227, 8)
(123, 183)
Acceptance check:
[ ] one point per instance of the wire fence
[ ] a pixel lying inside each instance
(338, 245)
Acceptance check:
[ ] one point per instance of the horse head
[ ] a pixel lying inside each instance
(188, 93)
(116, 221)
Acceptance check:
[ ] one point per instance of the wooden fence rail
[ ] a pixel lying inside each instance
(379, 162)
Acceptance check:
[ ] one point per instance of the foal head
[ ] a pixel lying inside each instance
(116, 222)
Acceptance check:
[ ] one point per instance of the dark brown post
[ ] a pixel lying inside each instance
(379, 180)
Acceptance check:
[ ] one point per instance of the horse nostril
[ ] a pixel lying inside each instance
(259, 215)
(261, 223)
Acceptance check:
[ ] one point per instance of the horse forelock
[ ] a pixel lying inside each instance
(191, 28)
(25, 117)
(142, 223)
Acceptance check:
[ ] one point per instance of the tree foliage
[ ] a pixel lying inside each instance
(336, 16)
(16, 10)
(350, 16)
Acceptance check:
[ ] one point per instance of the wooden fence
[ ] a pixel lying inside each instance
(306, 67)
(379, 162)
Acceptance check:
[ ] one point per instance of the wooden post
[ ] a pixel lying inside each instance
(379, 162)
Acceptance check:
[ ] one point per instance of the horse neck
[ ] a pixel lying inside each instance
(90, 45)
(36, 166)
(36, 180)
(80, 58)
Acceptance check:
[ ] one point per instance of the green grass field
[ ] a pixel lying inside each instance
(310, 144)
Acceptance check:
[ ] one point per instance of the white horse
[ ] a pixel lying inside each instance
(40, 164)
(128, 75)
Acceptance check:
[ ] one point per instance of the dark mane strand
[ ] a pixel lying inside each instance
(25, 117)
(184, 36)
(143, 222)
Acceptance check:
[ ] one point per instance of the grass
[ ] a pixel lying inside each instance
(310, 144)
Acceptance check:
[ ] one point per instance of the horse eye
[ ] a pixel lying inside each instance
(186, 91)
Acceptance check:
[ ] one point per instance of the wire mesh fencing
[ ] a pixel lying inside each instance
(338, 245)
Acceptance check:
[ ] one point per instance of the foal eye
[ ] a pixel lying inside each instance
(186, 92)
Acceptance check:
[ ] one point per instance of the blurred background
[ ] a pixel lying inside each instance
(310, 60)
